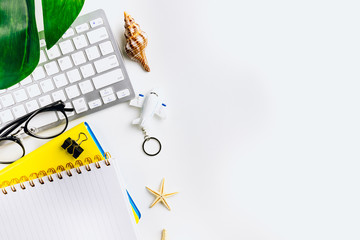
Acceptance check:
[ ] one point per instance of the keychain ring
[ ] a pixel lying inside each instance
(146, 140)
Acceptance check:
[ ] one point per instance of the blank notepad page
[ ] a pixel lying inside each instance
(90, 205)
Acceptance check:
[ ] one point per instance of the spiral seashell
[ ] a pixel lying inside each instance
(136, 41)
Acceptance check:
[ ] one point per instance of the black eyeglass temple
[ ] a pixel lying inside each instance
(13, 125)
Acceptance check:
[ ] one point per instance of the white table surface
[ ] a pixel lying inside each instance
(263, 130)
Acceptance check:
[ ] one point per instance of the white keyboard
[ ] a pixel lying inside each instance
(84, 69)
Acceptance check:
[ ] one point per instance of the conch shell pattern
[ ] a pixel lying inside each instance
(136, 41)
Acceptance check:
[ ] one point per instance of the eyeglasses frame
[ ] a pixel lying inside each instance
(5, 132)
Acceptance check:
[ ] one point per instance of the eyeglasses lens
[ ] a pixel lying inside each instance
(10, 151)
(47, 124)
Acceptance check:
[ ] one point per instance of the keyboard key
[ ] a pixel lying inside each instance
(106, 48)
(80, 41)
(86, 87)
(42, 56)
(109, 98)
(38, 73)
(106, 63)
(73, 75)
(33, 90)
(51, 68)
(47, 85)
(123, 93)
(78, 58)
(106, 91)
(80, 105)
(70, 32)
(19, 111)
(108, 78)
(65, 63)
(6, 116)
(26, 81)
(69, 105)
(42, 43)
(94, 104)
(66, 47)
(72, 91)
(32, 106)
(13, 87)
(60, 80)
(45, 100)
(59, 95)
(61, 115)
(87, 70)
(82, 28)
(96, 22)
(92, 53)
(46, 119)
(53, 53)
(20, 95)
(69, 114)
(7, 100)
(97, 35)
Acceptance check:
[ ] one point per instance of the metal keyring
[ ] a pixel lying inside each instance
(146, 140)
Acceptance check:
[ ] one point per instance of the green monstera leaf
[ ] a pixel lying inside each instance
(58, 17)
(19, 39)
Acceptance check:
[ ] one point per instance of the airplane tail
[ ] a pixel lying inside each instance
(137, 121)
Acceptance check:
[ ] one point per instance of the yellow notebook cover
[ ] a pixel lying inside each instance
(52, 155)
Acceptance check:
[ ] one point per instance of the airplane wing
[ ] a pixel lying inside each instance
(138, 101)
(161, 111)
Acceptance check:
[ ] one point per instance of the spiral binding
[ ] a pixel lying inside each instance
(51, 171)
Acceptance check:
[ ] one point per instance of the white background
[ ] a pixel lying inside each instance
(262, 136)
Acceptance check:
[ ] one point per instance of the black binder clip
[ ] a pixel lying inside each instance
(73, 147)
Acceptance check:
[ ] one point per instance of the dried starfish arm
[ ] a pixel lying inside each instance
(170, 194)
(156, 201)
(153, 192)
(162, 186)
(165, 203)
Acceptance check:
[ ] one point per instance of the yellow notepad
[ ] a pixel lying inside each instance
(52, 155)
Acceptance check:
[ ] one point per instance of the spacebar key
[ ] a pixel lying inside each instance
(108, 78)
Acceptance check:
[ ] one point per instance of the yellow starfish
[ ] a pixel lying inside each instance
(160, 196)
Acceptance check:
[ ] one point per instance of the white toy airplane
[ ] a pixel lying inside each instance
(150, 105)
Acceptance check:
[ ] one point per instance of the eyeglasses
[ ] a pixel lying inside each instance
(43, 124)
